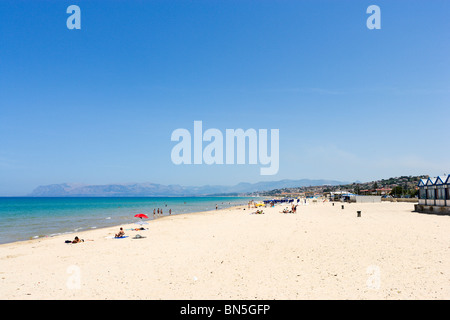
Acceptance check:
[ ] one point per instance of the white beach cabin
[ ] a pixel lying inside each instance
(440, 191)
(434, 195)
(422, 191)
(447, 191)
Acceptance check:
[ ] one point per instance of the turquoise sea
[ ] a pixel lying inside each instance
(25, 218)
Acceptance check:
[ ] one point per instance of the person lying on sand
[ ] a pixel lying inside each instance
(258, 212)
(77, 240)
(120, 234)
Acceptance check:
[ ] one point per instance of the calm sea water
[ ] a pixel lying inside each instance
(31, 218)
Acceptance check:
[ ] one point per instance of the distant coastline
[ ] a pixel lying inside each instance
(160, 190)
(403, 186)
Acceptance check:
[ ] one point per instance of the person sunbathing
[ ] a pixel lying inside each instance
(77, 240)
(120, 234)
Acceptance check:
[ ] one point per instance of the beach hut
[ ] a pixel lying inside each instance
(422, 191)
(434, 195)
(447, 191)
(431, 191)
(440, 190)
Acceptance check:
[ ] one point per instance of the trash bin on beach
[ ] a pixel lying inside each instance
(358, 213)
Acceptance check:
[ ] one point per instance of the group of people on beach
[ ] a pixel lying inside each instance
(159, 212)
(293, 209)
(121, 233)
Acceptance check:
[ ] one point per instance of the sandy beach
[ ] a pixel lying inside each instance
(321, 252)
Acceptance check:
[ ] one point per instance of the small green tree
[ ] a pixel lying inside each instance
(413, 193)
(397, 191)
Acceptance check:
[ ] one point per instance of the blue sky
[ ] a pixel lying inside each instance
(98, 105)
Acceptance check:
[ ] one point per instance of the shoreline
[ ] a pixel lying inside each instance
(320, 252)
(108, 214)
(115, 227)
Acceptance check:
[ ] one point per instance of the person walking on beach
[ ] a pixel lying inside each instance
(216, 206)
(170, 211)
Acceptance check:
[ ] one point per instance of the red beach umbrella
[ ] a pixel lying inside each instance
(141, 215)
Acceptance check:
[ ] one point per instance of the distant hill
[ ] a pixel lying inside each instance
(154, 190)
(398, 186)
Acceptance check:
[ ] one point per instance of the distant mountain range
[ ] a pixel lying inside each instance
(155, 190)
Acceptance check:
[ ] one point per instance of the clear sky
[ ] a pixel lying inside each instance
(98, 105)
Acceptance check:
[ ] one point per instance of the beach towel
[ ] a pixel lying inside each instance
(122, 237)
